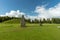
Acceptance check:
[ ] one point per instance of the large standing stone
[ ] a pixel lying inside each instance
(23, 21)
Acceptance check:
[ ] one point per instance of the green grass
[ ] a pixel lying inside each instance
(31, 32)
(12, 21)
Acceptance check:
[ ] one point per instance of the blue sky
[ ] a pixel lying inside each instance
(26, 6)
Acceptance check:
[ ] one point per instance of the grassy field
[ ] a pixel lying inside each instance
(31, 32)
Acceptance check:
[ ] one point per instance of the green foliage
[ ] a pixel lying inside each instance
(56, 20)
(2, 19)
(27, 20)
(15, 21)
(36, 21)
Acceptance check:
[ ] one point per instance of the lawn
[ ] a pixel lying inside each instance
(31, 32)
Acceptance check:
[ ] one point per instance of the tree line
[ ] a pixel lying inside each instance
(5, 18)
(53, 20)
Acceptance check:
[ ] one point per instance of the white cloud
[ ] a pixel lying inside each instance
(14, 13)
(41, 10)
(48, 13)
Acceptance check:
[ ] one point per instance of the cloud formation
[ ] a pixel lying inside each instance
(14, 13)
(41, 10)
(48, 13)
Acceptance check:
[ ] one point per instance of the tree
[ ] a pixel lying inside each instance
(49, 21)
(44, 20)
(36, 21)
(56, 20)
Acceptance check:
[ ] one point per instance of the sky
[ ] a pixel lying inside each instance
(30, 8)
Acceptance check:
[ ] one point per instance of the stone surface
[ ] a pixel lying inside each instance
(23, 21)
